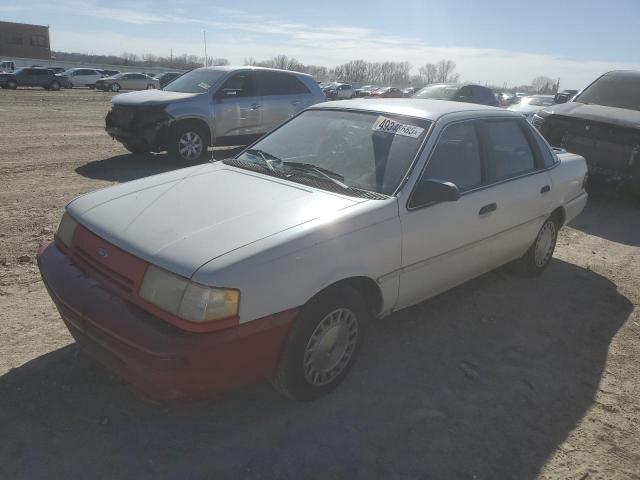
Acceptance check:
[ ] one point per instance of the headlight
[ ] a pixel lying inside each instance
(66, 229)
(188, 300)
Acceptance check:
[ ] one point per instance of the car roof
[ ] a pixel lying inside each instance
(231, 68)
(413, 107)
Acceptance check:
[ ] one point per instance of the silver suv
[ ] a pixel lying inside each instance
(208, 107)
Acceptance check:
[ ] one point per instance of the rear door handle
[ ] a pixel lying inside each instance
(488, 209)
(545, 189)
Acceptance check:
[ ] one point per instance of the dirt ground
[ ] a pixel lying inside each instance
(501, 378)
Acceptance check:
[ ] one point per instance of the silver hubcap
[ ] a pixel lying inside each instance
(115, 87)
(545, 243)
(190, 145)
(330, 347)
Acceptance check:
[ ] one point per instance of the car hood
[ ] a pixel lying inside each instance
(152, 97)
(183, 219)
(597, 113)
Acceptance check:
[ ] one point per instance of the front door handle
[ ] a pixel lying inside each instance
(545, 189)
(487, 209)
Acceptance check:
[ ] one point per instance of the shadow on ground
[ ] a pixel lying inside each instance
(611, 218)
(126, 167)
(482, 382)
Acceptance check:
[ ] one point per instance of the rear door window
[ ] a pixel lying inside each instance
(456, 157)
(277, 83)
(508, 153)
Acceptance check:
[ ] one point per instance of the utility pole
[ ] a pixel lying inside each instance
(171, 58)
(204, 36)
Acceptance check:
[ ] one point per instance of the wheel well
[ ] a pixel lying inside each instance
(560, 215)
(196, 123)
(368, 288)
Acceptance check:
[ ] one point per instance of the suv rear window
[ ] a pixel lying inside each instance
(276, 83)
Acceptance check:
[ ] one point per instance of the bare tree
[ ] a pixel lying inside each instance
(543, 84)
(250, 61)
(218, 61)
(445, 72)
(428, 73)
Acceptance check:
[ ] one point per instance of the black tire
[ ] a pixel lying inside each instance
(136, 150)
(296, 374)
(12, 84)
(539, 255)
(185, 134)
(91, 87)
(55, 86)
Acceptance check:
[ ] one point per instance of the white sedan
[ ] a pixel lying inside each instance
(271, 264)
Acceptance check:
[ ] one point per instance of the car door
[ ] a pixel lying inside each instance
(238, 107)
(283, 95)
(26, 77)
(521, 185)
(447, 243)
(135, 81)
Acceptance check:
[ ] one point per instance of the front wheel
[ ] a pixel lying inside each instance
(322, 344)
(55, 86)
(115, 87)
(188, 143)
(12, 84)
(540, 253)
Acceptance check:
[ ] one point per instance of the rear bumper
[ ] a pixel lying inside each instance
(165, 362)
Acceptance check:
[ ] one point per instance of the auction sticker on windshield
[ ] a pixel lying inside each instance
(204, 86)
(387, 125)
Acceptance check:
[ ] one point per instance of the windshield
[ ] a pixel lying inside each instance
(438, 92)
(361, 150)
(196, 81)
(613, 90)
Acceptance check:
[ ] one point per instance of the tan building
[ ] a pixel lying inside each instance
(24, 40)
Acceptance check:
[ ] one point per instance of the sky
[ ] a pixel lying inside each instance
(491, 41)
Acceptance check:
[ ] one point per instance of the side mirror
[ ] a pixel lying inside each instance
(432, 190)
(560, 98)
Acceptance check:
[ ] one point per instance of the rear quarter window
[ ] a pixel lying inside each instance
(508, 152)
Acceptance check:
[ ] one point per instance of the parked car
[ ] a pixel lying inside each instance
(83, 77)
(31, 77)
(209, 106)
(127, 81)
(166, 78)
(365, 90)
(7, 66)
(564, 96)
(601, 123)
(339, 91)
(459, 93)
(271, 264)
(528, 106)
(387, 92)
(57, 70)
(108, 73)
(409, 92)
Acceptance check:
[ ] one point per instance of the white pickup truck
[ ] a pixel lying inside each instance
(271, 264)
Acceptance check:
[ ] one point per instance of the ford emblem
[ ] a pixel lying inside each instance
(102, 253)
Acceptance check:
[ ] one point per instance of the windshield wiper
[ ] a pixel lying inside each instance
(310, 167)
(263, 156)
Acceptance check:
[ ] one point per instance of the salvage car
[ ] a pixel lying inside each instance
(529, 106)
(209, 106)
(127, 81)
(82, 77)
(459, 93)
(32, 77)
(601, 123)
(271, 264)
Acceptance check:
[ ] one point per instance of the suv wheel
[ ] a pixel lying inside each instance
(12, 84)
(115, 87)
(322, 345)
(55, 85)
(188, 143)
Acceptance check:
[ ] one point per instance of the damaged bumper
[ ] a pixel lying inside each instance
(144, 127)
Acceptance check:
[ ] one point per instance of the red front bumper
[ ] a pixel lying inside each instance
(162, 360)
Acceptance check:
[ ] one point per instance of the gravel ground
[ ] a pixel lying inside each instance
(501, 378)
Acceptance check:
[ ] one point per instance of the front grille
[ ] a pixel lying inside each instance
(121, 116)
(95, 269)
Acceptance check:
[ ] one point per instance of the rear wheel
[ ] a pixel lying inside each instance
(540, 253)
(189, 143)
(115, 87)
(322, 344)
